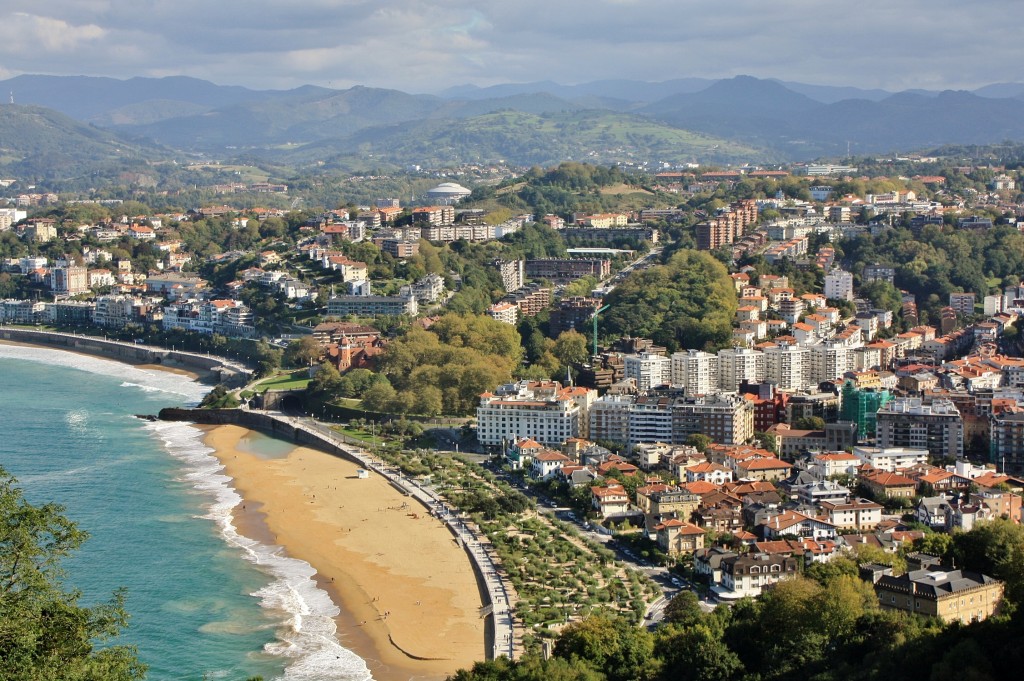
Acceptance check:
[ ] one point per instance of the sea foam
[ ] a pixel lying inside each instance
(306, 635)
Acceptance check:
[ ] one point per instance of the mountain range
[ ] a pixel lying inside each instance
(687, 119)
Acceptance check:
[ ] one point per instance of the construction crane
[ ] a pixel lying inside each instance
(594, 317)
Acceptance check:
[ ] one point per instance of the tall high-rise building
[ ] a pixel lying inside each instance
(786, 367)
(839, 285)
(513, 274)
(736, 365)
(648, 370)
(696, 371)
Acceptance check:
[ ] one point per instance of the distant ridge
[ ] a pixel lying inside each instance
(767, 118)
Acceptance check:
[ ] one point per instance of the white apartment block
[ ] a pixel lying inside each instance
(829, 361)
(650, 420)
(891, 459)
(839, 285)
(543, 411)
(648, 370)
(786, 367)
(736, 365)
(725, 418)
(229, 317)
(696, 371)
(506, 313)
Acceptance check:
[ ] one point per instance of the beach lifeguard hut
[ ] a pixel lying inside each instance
(362, 473)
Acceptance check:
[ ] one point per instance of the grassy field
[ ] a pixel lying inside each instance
(295, 380)
(619, 189)
(362, 436)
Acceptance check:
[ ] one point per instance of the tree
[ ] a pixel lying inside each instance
(684, 609)
(44, 632)
(689, 302)
(302, 352)
(697, 653)
(809, 423)
(571, 348)
(934, 544)
(699, 441)
(623, 651)
(379, 397)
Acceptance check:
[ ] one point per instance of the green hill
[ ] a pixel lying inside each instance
(41, 143)
(526, 139)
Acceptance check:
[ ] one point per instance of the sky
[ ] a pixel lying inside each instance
(428, 45)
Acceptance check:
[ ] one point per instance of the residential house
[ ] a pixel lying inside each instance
(791, 523)
(856, 514)
(714, 473)
(763, 469)
(676, 537)
(747, 575)
(547, 463)
(830, 464)
(707, 563)
(611, 500)
(951, 595)
(885, 484)
(933, 511)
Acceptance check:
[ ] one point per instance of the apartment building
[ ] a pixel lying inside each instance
(434, 215)
(839, 285)
(908, 422)
(648, 370)
(372, 306)
(568, 269)
(736, 365)
(671, 418)
(513, 274)
(786, 367)
(542, 410)
(695, 371)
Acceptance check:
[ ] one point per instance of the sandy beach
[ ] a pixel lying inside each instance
(408, 594)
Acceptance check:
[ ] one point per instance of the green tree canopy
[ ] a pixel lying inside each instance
(689, 302)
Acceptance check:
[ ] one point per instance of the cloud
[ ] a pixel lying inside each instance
(22, 33)
(427, 45)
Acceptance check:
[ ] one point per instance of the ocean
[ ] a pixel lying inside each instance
(205, 602)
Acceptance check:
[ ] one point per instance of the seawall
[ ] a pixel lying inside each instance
(218, 369)
(266, 422)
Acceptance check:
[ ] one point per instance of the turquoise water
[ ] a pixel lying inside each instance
(204, 602)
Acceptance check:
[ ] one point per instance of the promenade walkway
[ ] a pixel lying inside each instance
(479, 552)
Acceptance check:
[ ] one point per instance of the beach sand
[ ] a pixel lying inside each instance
(376, 552)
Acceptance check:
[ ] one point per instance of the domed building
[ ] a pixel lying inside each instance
(448, 193)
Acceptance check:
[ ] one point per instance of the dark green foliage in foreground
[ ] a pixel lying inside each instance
(824, 627)
(44, 632)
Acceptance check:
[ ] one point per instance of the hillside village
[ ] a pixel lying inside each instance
(844, 414)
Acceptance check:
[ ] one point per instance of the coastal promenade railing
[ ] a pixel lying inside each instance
(479, 553)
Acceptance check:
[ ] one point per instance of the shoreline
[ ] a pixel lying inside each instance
(394, 649)
(388, 556)
(178, 370)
